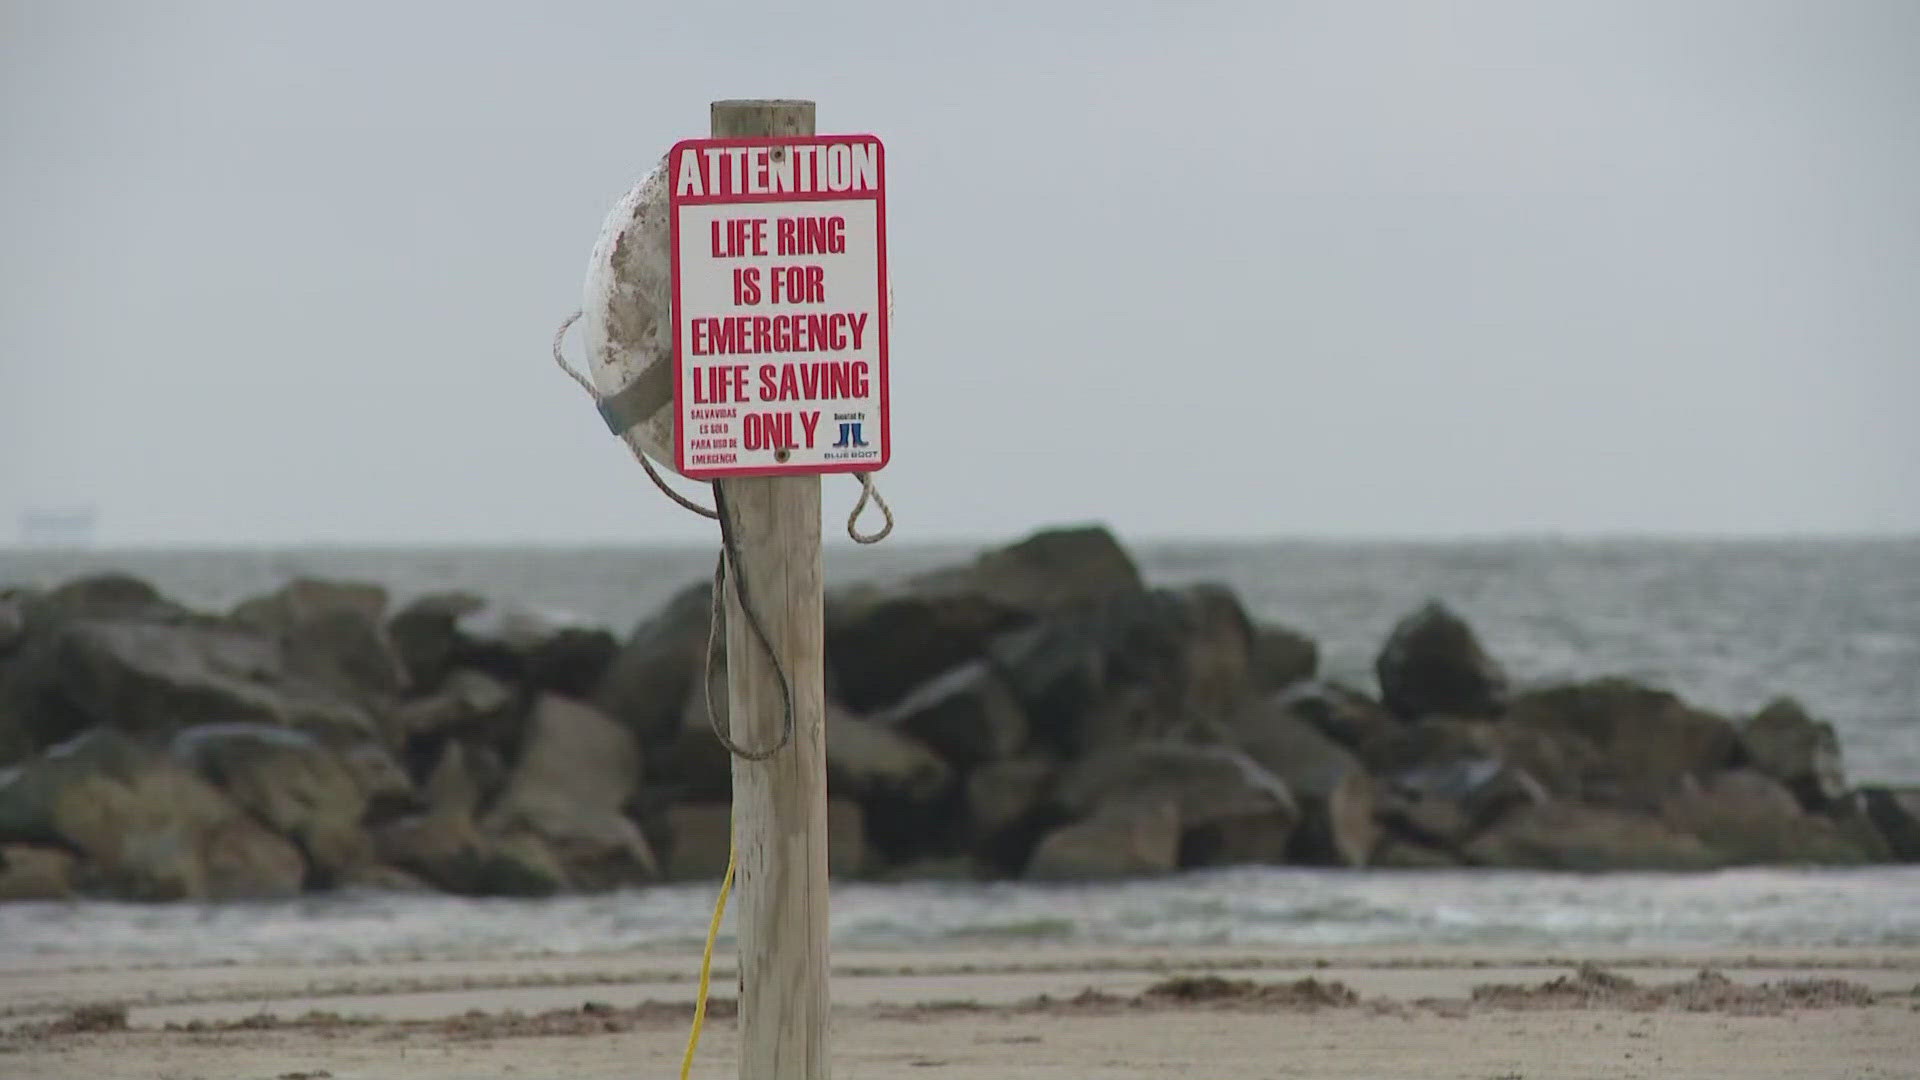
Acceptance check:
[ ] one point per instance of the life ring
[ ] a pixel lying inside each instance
(627, 318)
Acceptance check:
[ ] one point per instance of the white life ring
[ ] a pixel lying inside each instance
(627, 313)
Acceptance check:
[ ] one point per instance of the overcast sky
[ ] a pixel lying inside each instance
(287, 272)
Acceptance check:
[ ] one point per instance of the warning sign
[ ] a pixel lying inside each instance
(780, 305)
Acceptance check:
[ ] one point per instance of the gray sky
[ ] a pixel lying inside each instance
(286, 272)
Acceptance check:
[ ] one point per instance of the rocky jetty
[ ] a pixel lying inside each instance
(1041, 712)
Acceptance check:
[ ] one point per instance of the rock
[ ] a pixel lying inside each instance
(882, 641)
(441, 632)
(1007, 809)
(379, 878)
(701, 833)
(1341, 713)
(531, 649)
(1444, 781)
(969, 715)
(426, 634)
(459, 784)
(388, 791)
(846, 838)
(244, 861)
(1230, 809)
(1331, 786)
(1747, 817)
(13, 622)
(444, 848)
(1279, 657)
(1003, 794)
(291, 783)
(154, 671)
(1400, 853)
(1126, 840)
(576, 772)
(1895, 814)
(953, 868)
(1433, 664)
(867, 760)
(111, 594)
(1569, 836)
(469, 705)
(1137, 666)
(651, 678)
(333, 633)
(1642, 741)
(1785, 743)
(146, 828)
(907, 792)
(35, 872)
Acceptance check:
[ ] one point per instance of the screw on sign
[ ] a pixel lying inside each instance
(780, 305)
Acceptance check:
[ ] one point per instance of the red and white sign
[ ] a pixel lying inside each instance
(780, 305)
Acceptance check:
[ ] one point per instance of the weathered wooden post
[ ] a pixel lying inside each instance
(736, 316)
(779, 805)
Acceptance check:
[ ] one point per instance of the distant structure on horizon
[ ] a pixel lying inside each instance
(58, 526)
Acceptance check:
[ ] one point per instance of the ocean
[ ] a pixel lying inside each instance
(1726, 624)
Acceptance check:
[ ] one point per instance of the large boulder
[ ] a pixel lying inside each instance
(1279, 657)
(1132, 839)
(1642, 741)
(1341, 713)
(145, 827)
(656, 671)
(1748, 817)
(969, 715)
(441, 632)
(426, 634)
(289, 781)
(908, 793)
(1331, 786)
(883, 640)
(1433, 664)
(333, 633)
(148, 667)
(1009, 809)
(570, 787)
(1895, 814)
(444, 847)
(1570, 836)
(1785, 743)
(1230, 809)
(13, 621)
(35, 872)
(469, 705)
(1137, 666)
(868, 760)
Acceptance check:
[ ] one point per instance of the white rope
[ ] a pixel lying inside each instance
(867, 490)
(560, 358)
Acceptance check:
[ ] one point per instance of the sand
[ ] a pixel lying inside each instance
(974, 1015)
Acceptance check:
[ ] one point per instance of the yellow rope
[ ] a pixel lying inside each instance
(706, 965)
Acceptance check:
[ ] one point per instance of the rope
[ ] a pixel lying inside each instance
(867, 490)
(730, 555)
(706, 965)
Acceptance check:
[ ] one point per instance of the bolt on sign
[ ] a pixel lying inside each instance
(780, 305)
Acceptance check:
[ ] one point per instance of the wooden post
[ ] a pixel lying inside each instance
(779, 805)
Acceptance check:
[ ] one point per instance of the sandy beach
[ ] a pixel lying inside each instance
(1084, 1014)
